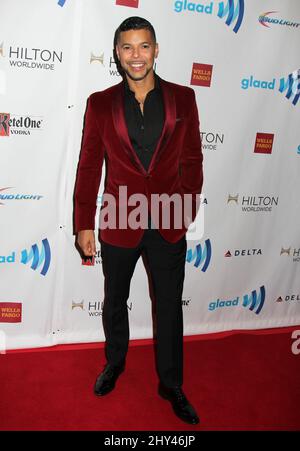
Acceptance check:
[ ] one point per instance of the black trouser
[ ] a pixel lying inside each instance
(166, 264)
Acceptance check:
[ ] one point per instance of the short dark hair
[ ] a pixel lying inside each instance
(134, 23)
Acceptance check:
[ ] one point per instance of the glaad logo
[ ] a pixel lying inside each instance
(38, 257)
(201, 255)
(18, 196)
(253, 302)
(235, 13)
(61, 2)
(291, 84)
(233, 10)
(264, 20)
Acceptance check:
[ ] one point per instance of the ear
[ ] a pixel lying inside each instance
(117, 52)
(156, 50)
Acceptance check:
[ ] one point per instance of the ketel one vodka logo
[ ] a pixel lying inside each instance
(12, 124)
(200, 255)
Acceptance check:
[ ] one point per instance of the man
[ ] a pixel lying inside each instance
(147, 130)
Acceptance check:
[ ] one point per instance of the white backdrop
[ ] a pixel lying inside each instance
(242, 59)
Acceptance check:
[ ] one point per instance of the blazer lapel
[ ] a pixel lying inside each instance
(121, 127)
(170, 121)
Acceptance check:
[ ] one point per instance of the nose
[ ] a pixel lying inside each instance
(135, 52)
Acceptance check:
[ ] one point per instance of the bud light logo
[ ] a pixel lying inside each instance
(234, 13)
(38, 257)
(255, 301)
(201, 255)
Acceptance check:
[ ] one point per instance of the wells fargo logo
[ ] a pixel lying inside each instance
(10, 312)
(201, 74)
(264, 143)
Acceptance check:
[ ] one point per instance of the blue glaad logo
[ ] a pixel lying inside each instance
(61, 2)
(254, 302)
(38, 257)
(298, 150)
(201, 255)
(234, 13)
(290, 85)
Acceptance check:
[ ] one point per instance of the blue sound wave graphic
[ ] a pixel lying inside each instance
(233, 13)
(255, 302)
(200, 255)
(38, 258)
(61, 2)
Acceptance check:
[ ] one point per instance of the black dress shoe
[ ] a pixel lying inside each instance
(181, 406)
(106, 381)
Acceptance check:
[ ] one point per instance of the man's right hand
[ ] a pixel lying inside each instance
(86, 241)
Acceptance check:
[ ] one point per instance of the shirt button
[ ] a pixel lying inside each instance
(142, 127)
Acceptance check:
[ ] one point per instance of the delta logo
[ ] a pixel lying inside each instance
(290, 85)
(10, 312)
(129, 3)
(264, 20)
(264, 143)
(288, 298)
(231, 11)
(19, 125)
(243, 253)
(201, 74)
(253, 302)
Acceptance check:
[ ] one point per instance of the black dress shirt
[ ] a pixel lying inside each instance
(145, 128)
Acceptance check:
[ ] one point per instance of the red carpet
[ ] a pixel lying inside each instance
(240, 382)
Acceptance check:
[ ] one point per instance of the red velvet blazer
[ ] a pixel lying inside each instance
(176, 165)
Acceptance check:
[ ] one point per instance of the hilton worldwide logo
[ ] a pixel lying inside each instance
(293, 253)
(31, 58)
(257, 204)
(93, 308)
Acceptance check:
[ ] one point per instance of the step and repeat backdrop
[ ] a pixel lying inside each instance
(241, 57)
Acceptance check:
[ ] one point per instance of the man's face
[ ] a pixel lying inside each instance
(136, 51)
